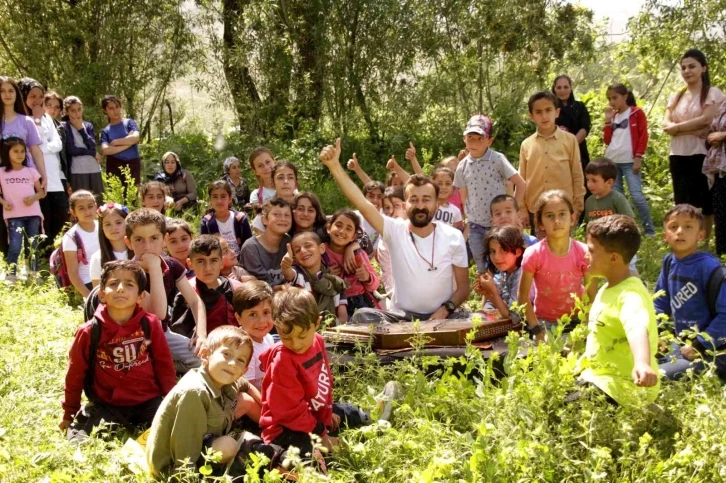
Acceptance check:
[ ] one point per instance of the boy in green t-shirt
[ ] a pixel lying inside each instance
(622, 344)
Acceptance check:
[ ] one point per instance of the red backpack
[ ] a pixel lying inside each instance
(58, 266)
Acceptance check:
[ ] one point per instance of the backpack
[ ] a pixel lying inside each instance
(713, 287)
(58, 266)
(93, 350)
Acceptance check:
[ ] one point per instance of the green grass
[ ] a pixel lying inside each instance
(449, 427)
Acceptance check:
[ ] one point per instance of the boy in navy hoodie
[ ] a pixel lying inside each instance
(685, 277)
(127, 370)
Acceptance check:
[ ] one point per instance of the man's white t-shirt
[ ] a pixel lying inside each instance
(95, 265)
(90, 245)
(226, 229)
(419, 288)
(254, 372)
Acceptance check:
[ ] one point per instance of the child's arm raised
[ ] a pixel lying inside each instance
(354, 166)
(393, 165)
(198, 311)
(286, 265)
(330, 156)
(156, 302)
(411, 156)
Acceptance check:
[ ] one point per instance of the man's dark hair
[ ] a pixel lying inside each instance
(130, 265)
(602, 167)
(420, 180)
(617, 234)
(541, 95)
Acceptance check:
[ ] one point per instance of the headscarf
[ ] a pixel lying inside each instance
(228, 163)
(26, 84)
(165, 177)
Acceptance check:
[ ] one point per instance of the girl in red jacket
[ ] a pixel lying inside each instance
(626, 137)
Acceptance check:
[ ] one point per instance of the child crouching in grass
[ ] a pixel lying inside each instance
(111, 358)
(198, 413)
(620, 353)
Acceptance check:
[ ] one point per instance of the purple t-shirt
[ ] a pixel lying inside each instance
(555, 278)
(118, 131)
(24, 128)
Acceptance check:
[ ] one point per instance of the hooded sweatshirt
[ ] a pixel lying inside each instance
(297, 392)
(125, 373)
(686, 298)
(217, 303)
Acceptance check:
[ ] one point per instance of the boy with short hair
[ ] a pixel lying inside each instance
(480, 176)
(622, 342)
(695, 296)
(297, 392)
(199, 411)
(505, 211)
(373, 191)
(145, 236)
(262, 255)
(111, 358)
(601, 174)
(303, 267)
(215, 291)
(549, 159)
(253, 309)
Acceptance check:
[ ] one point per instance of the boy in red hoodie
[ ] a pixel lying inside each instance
(297, 391)
(130, 371)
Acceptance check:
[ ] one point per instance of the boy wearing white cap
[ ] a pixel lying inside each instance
(481, 176)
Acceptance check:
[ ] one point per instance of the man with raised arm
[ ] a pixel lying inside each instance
(428, 259)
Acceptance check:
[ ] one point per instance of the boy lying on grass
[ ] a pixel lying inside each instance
(111, 358)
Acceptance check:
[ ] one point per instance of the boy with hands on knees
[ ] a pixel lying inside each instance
(621, 347)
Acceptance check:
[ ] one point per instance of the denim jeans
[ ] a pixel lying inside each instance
(674, 366)
(28, 228)
(477, 233)
(636, 192)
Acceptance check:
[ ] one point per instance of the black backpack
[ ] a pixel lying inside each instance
(713, 288)
(93, 350)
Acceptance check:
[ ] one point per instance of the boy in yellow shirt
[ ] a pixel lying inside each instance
(621, 346)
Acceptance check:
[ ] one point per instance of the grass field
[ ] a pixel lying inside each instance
(451, 426)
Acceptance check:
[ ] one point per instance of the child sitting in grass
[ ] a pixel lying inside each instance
(253, 309)
(261, 255)
(178, 237)
(232, 225)
(694, 295)
(120, 359)
(303, 267)
(198, 413)
(215, 291)
(503, 255)
(619, 356)
(155, 196)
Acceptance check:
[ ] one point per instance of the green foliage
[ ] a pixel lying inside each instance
(122, 191)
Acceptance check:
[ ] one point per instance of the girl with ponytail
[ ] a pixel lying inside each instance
(626, 137)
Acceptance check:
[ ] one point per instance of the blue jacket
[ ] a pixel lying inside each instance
(89, 140)
(686, 299)
(242, 230)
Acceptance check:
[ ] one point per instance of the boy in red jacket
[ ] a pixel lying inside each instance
(130, 371)
(297, 392)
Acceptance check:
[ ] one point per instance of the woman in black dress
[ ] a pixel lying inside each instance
(573, 117)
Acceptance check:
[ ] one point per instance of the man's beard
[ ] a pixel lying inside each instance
(417, 222)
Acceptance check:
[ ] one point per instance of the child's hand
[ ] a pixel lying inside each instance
(689, 353)
(64, 425)
(7, 206)
(362, 274)
(336, 422)
(330, 442)
(336, 270)
(391, 164)
(644, 375)
(99, 158)
(149, 261)
(662, 346)
(462, 154)
(353, 163)
(28, 200)
(411, 152)
(287, 260)
(524, 219)
(330, 155)
(670, 128)
(637, 163)
(196, 344)
(485, 285)
(609, 114)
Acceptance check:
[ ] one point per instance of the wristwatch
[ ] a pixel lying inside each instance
(449, 306)
(533, 331)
